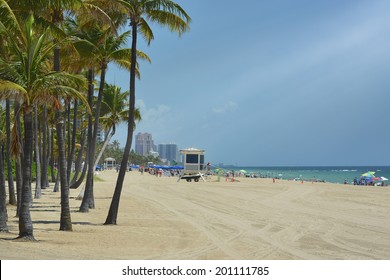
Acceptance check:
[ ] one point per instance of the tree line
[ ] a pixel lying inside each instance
(54, 57)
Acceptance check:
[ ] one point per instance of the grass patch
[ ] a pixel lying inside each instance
(97, 178)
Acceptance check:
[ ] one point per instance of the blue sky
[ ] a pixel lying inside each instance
(271, 83)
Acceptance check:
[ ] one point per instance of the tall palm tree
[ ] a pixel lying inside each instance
(29, 78)
(103, 47)
(139, 12)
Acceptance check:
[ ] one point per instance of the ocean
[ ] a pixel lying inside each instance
(332, 174)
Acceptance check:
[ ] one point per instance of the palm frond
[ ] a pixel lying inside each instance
(131, 6)
(69, 92)
(98, 14)
(145, 31)
(174, 22)
(16, 148)
(8, 86)
(9, 20)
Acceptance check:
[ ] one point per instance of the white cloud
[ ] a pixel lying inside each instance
(227, 107)
(152, 114)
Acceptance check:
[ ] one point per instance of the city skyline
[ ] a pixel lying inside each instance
(144, 145)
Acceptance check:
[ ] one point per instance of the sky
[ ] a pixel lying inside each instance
(270, 83)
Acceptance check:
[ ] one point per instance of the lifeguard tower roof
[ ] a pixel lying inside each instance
(192, 151)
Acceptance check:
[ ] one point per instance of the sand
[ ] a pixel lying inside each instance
(160, 218)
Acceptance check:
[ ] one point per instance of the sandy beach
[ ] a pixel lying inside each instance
(161, 218)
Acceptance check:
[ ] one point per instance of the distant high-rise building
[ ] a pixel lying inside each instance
(101, 134)
(168, 152)
(144, 144)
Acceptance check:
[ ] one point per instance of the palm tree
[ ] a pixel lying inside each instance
(114, 111)
(103, 47)
(139, 12)
(30, 81)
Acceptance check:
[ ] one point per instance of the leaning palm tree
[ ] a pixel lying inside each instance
(29, 79)
(114, 111)
(139, 12)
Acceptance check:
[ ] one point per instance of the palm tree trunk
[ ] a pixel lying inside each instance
(84, 207)
(57, 184)
(77, 184)
(68, 134)
(79, 158)
(25, 222)
(18, 161)
(73, 141)
(11, 187)
(65, 221)
(88, 199)
(38, 191)
(3, 195)
(114, 207)
(44, 127)
(51, 149)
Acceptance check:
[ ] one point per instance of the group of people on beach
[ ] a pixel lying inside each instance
(159, 172)
(363, 182)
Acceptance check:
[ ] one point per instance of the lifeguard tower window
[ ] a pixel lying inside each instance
(192, 159)
(201, 162)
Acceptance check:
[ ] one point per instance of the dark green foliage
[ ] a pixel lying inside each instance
(114, 151)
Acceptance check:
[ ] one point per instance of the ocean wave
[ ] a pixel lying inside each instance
(344, 170)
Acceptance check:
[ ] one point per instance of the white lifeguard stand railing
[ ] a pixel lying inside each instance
(193, 162)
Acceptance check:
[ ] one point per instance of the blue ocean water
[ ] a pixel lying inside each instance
(332, 174)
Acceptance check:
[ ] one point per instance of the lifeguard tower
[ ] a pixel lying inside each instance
(193, 164)
(109, 163)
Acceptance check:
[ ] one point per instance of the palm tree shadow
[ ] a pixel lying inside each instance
(44, 210)
(57, 222)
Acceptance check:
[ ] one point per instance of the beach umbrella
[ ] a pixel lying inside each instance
(176, 167)
(368, 174)
(384, 179)
(243, 171)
